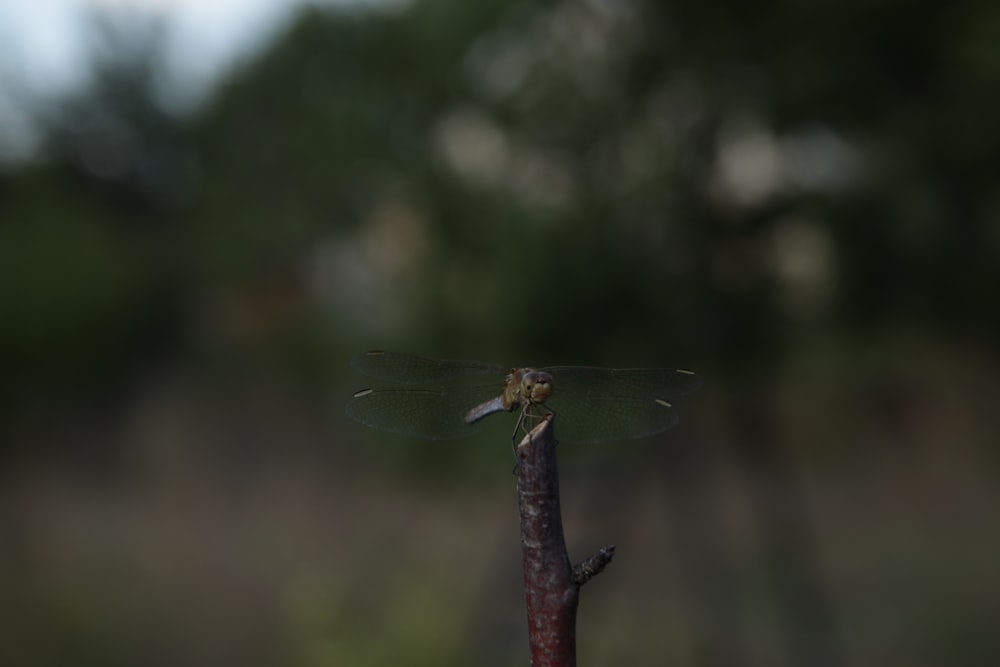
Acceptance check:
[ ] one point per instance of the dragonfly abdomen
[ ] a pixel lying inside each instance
(485, 409)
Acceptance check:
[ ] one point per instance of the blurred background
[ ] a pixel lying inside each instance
(206, 211)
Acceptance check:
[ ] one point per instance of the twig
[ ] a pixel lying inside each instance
(551, 585)
(594, 565)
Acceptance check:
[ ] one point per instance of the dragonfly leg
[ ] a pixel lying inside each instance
(517, 427)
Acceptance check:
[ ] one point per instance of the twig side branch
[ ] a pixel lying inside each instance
(594, 565)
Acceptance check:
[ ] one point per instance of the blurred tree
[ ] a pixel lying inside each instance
(87, 287)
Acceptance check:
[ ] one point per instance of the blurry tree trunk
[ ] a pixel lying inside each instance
(804, 604)
(709, 582)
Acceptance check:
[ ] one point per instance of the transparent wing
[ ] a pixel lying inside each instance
(434, 413)
(591, 419)
(652, 383)
(592, 404)
(413, 369)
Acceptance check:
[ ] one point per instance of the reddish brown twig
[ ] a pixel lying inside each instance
(551, 585)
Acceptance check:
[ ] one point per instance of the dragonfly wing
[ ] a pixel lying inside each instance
(653, 383)
(413, 369)
(434, 413)
(591, 419)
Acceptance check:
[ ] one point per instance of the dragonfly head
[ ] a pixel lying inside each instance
(536, 386)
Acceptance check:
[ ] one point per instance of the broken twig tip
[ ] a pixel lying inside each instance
(540, 430)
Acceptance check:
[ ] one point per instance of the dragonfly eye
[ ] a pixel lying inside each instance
(536, 387)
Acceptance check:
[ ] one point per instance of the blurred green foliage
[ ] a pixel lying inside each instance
(569, 182)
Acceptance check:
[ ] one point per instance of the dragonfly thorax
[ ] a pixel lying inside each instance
(526, 386)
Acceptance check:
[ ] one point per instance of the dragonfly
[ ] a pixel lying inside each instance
(445, 398)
